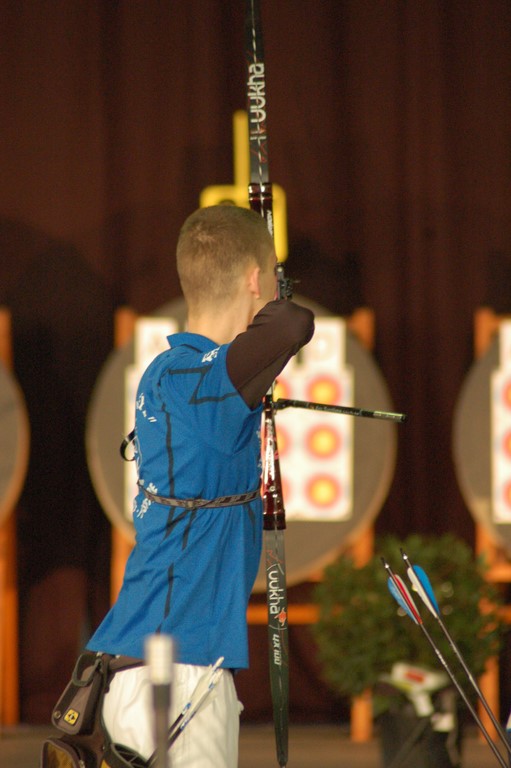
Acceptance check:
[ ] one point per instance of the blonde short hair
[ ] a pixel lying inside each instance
(215, 246)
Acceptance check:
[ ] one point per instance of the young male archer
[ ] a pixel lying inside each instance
(198, 513)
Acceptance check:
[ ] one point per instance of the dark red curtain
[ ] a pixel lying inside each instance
(390, 131)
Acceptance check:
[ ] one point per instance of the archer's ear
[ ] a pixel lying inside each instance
(253, 281)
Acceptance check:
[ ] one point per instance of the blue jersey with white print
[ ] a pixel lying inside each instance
(191, 571)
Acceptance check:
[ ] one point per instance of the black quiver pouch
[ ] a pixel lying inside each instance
(84, 742)
(76, 709)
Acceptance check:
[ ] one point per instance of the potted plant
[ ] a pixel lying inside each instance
(361, 633)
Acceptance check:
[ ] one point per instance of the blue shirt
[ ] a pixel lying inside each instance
(191, 572)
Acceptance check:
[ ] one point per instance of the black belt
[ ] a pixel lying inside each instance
(221, 501)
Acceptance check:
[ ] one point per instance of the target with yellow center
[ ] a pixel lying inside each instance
(325, 389)
(324, 441)
(506, 395)
(323, 491)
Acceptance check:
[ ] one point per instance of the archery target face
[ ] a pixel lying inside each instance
(316, 448)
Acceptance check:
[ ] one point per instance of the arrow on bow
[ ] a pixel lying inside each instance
(274, 520)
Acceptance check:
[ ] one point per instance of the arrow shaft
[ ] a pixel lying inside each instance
(465, 698)
(342, 409)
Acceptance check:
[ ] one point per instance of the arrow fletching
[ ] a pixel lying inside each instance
(398, 597)
(401, 594)
(203, 688)
(422, 585)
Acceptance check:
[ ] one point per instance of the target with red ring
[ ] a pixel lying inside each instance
(506, 394)
(281, 389)
(506, 444)
(323, 490)
(283, 440)
(323, 441)
(324, 389)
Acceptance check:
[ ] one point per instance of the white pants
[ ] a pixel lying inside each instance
(210, 740)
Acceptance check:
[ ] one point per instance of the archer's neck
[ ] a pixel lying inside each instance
(221, 327)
